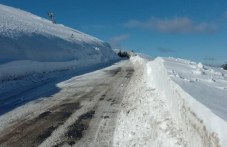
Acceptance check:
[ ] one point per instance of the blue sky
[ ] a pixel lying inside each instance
(191, 29)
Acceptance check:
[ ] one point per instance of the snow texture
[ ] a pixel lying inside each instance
(29, 44)
(163, 107)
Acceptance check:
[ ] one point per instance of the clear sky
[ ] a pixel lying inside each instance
(191, 29)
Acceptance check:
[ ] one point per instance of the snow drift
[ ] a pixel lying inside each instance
(200, 124)
(159, 110)
(29, 43)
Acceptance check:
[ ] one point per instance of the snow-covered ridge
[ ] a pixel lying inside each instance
(16, 22)
(29, 43)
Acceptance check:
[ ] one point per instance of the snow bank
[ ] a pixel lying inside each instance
(198, 121)
(194, 78)
(145, 120)
(29, 44)
(157, 111)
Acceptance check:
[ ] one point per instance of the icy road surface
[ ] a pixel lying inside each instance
(82, 113)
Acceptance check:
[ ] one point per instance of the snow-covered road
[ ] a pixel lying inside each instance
(82, 112)
(132, 103)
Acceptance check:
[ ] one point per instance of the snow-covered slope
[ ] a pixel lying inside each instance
(174, 102)
(37, 42)
(207, 85)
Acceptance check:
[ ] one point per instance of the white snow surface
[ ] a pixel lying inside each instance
(207, 85)
(173, 102)
(29, 43)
